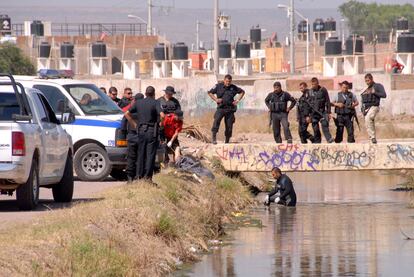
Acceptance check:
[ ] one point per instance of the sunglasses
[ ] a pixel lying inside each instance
(129, 93)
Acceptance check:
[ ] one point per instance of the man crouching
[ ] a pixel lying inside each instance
(284, 186)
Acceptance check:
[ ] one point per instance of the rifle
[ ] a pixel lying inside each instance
(316, 111)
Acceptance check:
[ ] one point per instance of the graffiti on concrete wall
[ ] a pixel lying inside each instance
(299, 157)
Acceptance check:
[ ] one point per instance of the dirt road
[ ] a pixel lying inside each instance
(84, 191)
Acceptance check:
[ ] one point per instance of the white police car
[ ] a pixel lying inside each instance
(99, 149)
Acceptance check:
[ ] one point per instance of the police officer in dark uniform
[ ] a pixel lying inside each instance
(277, 102)
(284, 186)
(169, 104)
(321, 111)
(345, 103)
(132, 139)
(223, 94)
(304, 114)
(148, 114)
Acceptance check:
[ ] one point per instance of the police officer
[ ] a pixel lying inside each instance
(169, 104)
(132, 139)
(148, 113)
(277, 102)
(321, 111)
(223, 94)
(370, 104)
(283, 185)
(304, 114)
(345, 103)
(126, 98)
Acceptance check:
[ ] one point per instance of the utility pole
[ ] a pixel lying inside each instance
(292, 36)
(198, 36)
(149, 23)
(216, 40)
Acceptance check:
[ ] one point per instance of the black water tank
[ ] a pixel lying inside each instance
(255, 34)
(224, 49)
(44, 50)
(318, 25)
(180, 51)
(37, 28)
(5, 24)
(402, 24)
(160, 52)
(66, 50)
(333, 46)
(330, 25)
(98, 49)
(243, 50)
(405, 43)
(354, 42)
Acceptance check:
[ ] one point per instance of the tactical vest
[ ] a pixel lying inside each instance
(370, 99)
(303, 105)
(318, 100)
(345, 99)
(168, 106)
(278, 103)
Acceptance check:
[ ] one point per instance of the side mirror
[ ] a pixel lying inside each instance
(67, 118)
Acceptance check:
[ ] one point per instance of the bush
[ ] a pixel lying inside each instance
(13, 61)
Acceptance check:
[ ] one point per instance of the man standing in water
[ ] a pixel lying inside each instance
(284, 186)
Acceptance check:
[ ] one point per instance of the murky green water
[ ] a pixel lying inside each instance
(345, 224)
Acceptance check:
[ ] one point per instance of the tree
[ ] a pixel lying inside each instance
(371, 20)
(13, 61)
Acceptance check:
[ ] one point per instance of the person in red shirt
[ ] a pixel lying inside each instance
(173, 125)
(396, 67)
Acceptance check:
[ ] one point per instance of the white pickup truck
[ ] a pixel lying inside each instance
(35, 151)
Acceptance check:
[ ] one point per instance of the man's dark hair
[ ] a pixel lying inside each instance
(150, 91)
(277, 84)
(303, 84)
(228, 77)
(112, 89)
(276, 169)
(369, 76)
(127, 88)
(314, 80)
(138, 96)
(102, 88)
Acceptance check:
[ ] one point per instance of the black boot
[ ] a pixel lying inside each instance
(130, 179)
(227, 139)
(213, 138)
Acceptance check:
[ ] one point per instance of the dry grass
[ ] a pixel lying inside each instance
(136, 230)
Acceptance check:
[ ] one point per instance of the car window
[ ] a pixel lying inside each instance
(50, 114)
(8, 106)
(56, 98)
(42, 111)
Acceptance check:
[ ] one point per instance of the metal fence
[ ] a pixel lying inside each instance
(80, 29)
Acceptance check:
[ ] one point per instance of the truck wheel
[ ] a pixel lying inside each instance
(27, 194)
(63, 191)
(92, 163)
(118, 174)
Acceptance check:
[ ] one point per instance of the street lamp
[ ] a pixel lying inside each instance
(133, 16)
(292, 28)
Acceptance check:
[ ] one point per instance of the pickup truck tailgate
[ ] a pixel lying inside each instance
(5, 142)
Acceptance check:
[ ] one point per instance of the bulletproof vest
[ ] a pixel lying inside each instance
(168, 106)
(228, 98)
(370, 99)
(317, 100)
(303, 105)
(345, 99)
(278, 102)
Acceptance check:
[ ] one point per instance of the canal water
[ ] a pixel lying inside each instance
(345, 224)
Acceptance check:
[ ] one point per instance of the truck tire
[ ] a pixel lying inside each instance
(91, 163)
(118, 174)
(63, 191)
(27, 194)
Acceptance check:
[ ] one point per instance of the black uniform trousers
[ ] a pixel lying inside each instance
(229, 119)
(303, 131)
(344, 120)
(277, 119)
(132, 138)
(316, 118)
(147, 151)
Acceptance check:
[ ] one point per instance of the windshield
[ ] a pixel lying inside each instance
(92, 100)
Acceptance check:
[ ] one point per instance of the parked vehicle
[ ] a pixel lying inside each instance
(35, 151)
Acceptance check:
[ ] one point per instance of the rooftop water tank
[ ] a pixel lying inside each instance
(180, 51)
(44, 50)
(330, 25)
(354, 43)
(67, 50)
(98, 49)
(405, 43)
(255, 34)
(402, 24)
(243, 50)
(333, 46)
(318, 25)
(160, 52)
(37, 28)
(224, 49)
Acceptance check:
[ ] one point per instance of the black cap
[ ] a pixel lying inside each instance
(345, 83)
(138, 96)
(170, 90)
(277, 84)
